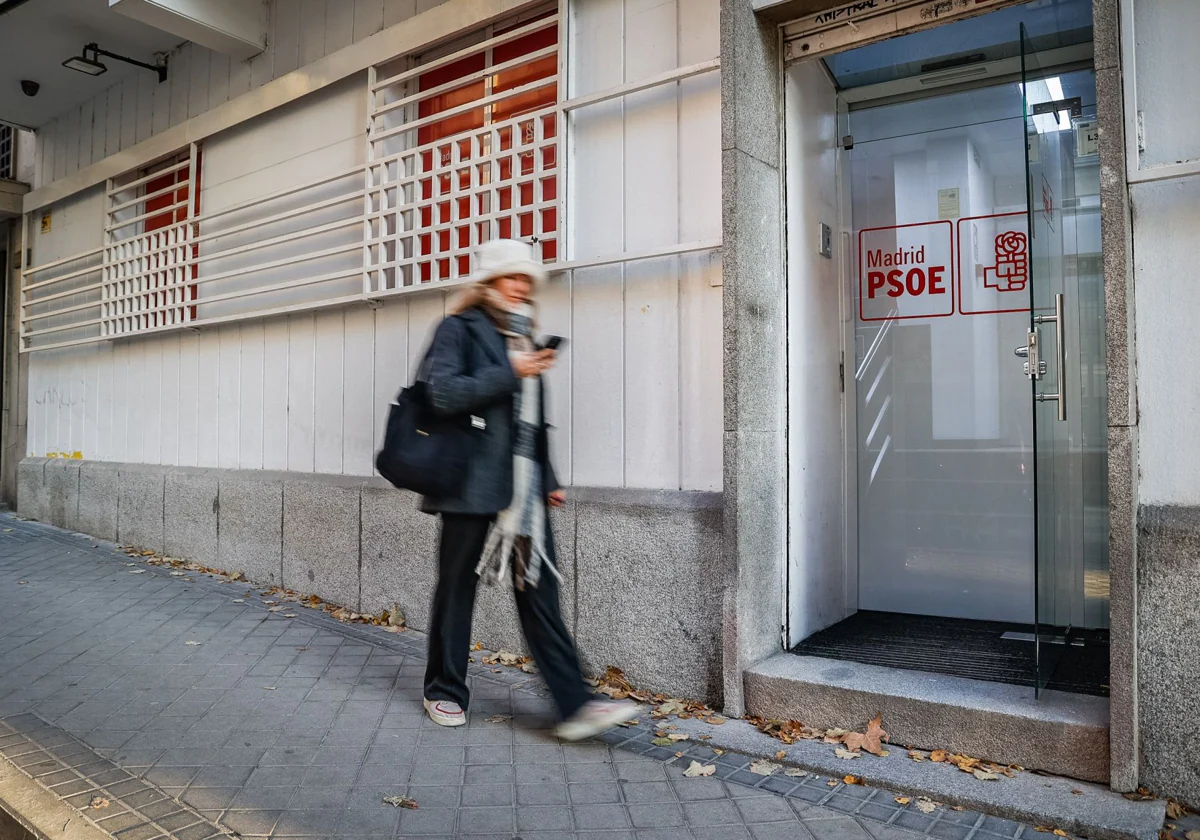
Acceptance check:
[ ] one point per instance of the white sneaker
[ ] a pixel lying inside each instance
(595, 717)
(445, 713)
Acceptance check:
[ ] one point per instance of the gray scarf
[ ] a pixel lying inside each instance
(518, 537)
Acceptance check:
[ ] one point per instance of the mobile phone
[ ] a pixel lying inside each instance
(553, 342)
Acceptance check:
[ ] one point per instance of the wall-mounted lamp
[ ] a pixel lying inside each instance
(89, 62)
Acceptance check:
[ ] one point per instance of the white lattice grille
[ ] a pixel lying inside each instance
(463, 149)
(8, 141)
(149, 252)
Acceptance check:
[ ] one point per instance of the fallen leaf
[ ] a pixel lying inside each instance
(98, 802)
(781, 755)
(851, 780)
(939, 755)
(671, 707)
(795, 772)
(985, 776)
(1175, 811)
(499, 719)
(193, 644)
(274, 609)
(1077, 792)
(699, 737)
(926, 805)
(842, 752)
(237, 576)
(1058, 832)
(289, 615)
(269, 688)
(629, 723)
(178, 574)
(401, 802)
(137, 571)
(662, 742)
(1192, 835)
(8, 530)
(718, 751)
(239, 600)
(679, 736)
(131, 564)
(697, 769)
(147, 553)
(832, 783)
(902, 800)
(871, 740)
(1044, 829)
(22, 582)
(714, 720)
(529, 668)
(762, 767)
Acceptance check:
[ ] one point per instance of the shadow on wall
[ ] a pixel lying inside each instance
(638, 566)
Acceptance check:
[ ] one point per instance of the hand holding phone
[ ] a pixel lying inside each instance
(553, 342)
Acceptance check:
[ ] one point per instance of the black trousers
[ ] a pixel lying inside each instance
(454, 604)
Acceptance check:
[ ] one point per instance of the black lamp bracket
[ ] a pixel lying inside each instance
(160, 69)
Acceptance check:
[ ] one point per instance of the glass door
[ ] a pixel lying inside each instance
(1049, 356)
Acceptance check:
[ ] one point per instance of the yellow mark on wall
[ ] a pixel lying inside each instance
(73, 456)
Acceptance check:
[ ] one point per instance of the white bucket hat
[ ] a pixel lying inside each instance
(507, 257)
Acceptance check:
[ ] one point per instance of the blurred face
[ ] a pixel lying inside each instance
(516, 289)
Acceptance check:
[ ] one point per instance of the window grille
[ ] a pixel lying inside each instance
(463, 148)
(8, 156)
(149, 249)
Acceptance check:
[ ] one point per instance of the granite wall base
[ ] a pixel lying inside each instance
(1168, 645)
(638, 567)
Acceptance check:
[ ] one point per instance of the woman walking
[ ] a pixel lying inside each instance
(484, 362)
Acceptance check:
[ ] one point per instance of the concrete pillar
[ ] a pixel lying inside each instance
(754, 344)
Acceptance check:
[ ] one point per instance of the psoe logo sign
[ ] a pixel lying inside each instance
(906, 271)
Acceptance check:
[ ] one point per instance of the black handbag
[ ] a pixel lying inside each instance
(422, 451)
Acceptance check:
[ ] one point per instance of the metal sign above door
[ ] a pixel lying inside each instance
(855, 24)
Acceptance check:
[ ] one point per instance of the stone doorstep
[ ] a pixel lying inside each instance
(1059, 733)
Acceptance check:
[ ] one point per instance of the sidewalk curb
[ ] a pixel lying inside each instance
(40, 812)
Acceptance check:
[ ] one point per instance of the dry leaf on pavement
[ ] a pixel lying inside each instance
(697, 769)
(939, 755)
(871, 740)
(289, 615)
(985, 776)
(926, 805)
(1058, 832)
(902, 800)
(762, 767)
(781, 755)
(662, 742)
(239, 600)
(98, 802)
(1192, 835)
(137, 571)
(795, 772)
(499, 719)
(852, 780)
(1077, 792)
(178, 574)
(679, 736)
(401, 802)
(1175, 811)
(842, 752)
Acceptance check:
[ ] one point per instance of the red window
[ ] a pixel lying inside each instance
(502, 183)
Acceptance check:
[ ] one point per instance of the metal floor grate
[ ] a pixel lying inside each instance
(960, 647)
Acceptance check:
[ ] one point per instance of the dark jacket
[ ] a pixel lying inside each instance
(468, 372)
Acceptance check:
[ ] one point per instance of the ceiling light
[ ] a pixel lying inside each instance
(88, 61)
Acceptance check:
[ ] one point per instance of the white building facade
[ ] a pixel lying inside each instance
(221, 280)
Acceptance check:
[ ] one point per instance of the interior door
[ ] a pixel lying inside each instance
(1049, 169)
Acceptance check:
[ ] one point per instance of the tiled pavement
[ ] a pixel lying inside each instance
(298, 727)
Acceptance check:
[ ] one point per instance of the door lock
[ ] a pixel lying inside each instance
(1035, 367)
(1023, 352)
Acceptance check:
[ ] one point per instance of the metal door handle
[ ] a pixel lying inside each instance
(1059, 323)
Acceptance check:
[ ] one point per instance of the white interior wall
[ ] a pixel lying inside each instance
(636, 400)
(822, 581)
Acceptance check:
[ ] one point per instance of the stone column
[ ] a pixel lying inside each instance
(755, 363)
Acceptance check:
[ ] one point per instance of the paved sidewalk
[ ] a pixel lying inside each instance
(196, 712)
